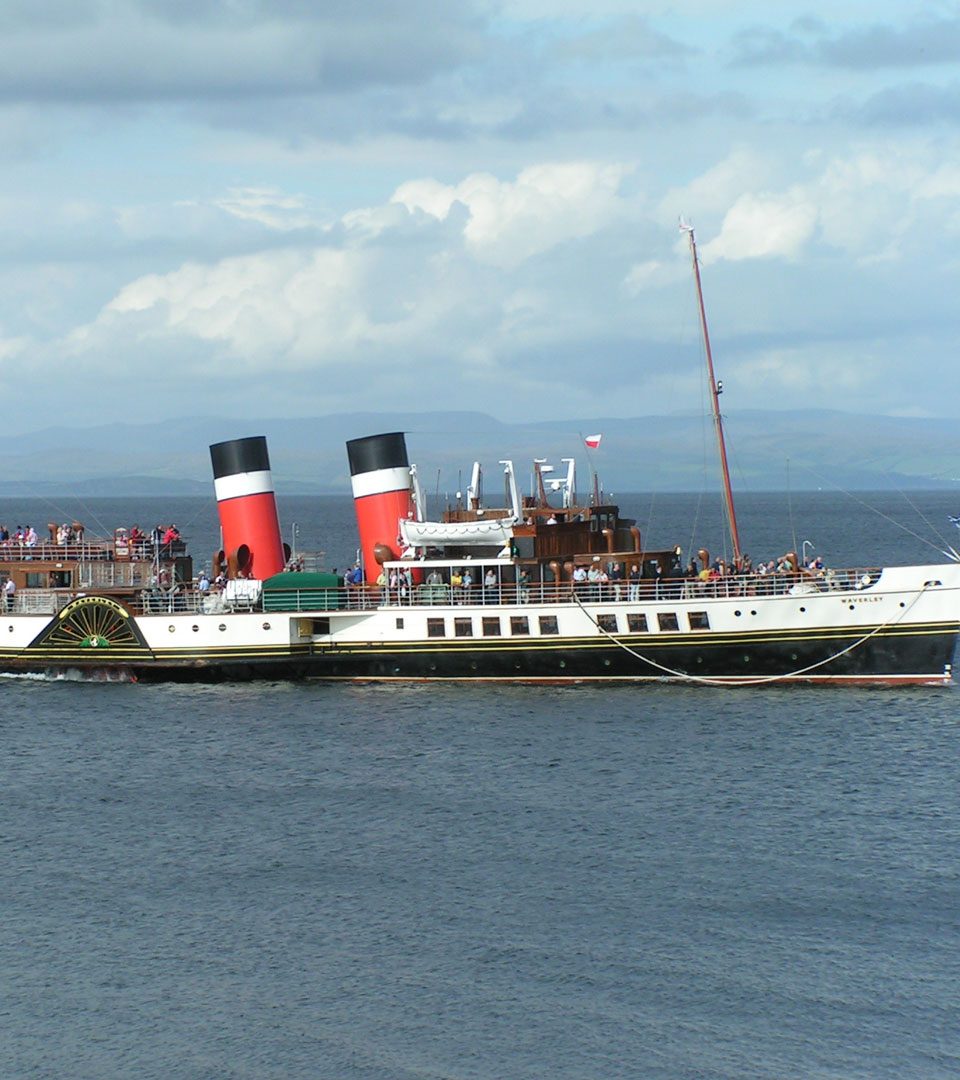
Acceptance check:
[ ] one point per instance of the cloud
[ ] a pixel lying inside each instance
(758, 226)
(511, 221)
(925, 41)
(561, 287)
(269, 207)
(141, 52)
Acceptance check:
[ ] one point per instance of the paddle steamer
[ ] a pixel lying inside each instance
(546, 588)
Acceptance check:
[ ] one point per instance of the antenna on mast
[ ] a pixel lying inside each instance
(716, 389)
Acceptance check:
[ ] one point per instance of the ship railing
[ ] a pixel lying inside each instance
(36, 601)
(180, 600)
(624, 591)
(86, 551)
(185, 598)
(17, 551)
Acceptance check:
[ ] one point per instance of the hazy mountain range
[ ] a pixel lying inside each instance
(768, 451)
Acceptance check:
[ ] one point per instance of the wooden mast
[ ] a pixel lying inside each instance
(715, 391)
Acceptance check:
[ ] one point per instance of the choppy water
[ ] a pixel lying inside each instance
(427, 882)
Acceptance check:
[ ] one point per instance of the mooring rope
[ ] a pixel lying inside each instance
(759, 680)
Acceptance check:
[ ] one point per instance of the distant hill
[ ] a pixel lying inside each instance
(768, 450)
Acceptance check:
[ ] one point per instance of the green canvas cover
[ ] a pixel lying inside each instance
(301, 581)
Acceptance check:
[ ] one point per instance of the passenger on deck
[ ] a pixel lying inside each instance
(9, 593)
(523, 586)
(490, 586)
(593, 579)
(31, 538)
(616, 576)
(203, 582)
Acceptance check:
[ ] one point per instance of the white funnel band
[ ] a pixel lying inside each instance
(241, 484)
(380, 481)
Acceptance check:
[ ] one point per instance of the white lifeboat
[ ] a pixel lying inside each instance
(480, 533)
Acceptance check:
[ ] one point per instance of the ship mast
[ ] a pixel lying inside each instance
(716, 389)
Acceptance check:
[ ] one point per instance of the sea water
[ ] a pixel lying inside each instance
(301, 880)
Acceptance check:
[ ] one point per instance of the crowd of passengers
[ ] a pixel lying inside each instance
(22, 536)
(68, 534)
(602, 581)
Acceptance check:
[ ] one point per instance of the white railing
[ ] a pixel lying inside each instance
(184, 598)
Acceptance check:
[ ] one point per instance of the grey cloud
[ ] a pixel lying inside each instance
(134, 56)
(910, 104)
(923, 42)
(629, 38)
(552, 113)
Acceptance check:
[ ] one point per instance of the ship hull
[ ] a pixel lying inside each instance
(900, 630)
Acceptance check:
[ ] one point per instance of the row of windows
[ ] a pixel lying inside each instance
(491, 626)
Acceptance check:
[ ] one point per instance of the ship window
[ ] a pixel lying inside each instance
(399, 624)
(36, 581)
(548, 624)
(436, 628)
(491, 627)
(699, 620)
(519, 624)
(463, 627)
(637, 624)
(608, 623)
(667, 620)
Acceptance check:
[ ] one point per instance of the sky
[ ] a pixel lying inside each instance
(292, 208)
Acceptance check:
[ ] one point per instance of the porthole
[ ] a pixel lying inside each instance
(222, 626)
(793, 656)
(851, 607)
(746, 659)
(902, 604)
(753, 613)
(802, 609)
(194, 628)
(171, 628)
(738, 613)
(266, 626)
(606, 662)
(563, 663)
(10, 628)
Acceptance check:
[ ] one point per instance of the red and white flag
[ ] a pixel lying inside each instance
(593, 441)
